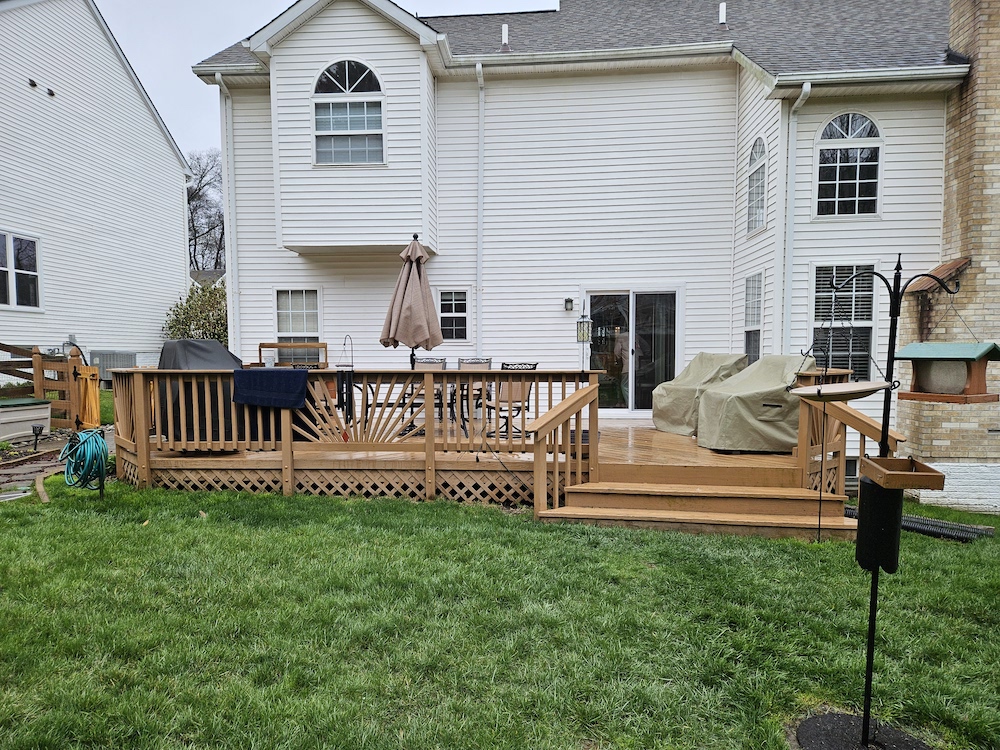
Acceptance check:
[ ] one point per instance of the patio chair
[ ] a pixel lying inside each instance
(753, 411)
(675, 402)
(428, 364)
(476, 386)
(511, 399)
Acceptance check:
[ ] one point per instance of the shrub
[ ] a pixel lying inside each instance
(202, 315)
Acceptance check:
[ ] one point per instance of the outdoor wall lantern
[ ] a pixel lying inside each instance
(568, 304)
(584, 329)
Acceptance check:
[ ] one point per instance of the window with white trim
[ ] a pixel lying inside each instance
(298, 322)
(348, 117)
(844, 319)
(454, 315)
(19, 273)
(753, 305)
(849, 151)
(757, 187)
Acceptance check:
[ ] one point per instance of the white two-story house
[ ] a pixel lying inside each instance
(690, 176)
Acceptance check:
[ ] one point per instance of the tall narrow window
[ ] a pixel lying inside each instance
(757, 187)
(298, 321)
(454, 315)
(19, 271)
(752, 315)
(348, 119)
(844, 320)
(849, 153)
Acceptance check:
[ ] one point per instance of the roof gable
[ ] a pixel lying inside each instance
(130, 71)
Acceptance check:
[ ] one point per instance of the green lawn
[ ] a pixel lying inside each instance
(167, 620)
(107, 407)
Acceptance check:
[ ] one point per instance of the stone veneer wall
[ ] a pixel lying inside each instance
(964, 439)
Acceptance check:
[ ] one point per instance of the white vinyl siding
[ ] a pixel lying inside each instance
(349, 206)
(754, 251)
(90, 175)
(909, 219)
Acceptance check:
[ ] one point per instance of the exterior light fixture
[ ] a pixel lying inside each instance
(36, 430)
(568, 304)
(584, 329)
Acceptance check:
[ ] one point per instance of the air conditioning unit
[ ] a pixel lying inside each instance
(108, 360)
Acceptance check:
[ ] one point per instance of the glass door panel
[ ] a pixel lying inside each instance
(654, 347)
(609, 350)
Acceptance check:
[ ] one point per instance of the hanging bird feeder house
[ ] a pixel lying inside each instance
(949, 373)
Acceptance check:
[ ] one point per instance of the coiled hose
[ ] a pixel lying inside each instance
(86, 457)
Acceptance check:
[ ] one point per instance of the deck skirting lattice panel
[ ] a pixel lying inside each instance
(216, 480)
(367, 483)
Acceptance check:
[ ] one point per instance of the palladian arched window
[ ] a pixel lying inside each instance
(757, 187)
(849, 151)
(348, 119)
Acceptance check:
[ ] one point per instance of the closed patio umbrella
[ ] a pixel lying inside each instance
(412, 318)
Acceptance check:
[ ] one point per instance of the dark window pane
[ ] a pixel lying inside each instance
(3, 251)
(867, 207)
(4, 294)
(828, 156)
(24, 255)
(848, 190)
(751, 345)
(333, 80)
(827, 174)
(868, 155)
(826, 208)
(360, 78)
(868, 172)
(827, 190)
(453, 327)
(846, 207)
(849, 173)
(868, 190)
(27, 289)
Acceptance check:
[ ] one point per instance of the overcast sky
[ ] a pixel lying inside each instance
(163, 40)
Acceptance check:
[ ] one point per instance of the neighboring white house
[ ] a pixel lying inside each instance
(692, 185)
(93, 231)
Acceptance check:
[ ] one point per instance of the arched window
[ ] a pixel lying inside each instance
(348, 115)
(849, 152)
(757, 187)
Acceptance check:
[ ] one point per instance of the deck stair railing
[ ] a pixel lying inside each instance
(565, 452)
(839, 417)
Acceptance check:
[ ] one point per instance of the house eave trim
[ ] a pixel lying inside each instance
(788, 85)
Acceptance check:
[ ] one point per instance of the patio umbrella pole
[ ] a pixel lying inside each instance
(413, 358)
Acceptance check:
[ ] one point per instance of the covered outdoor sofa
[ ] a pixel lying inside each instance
(753, 411)
(675, 402)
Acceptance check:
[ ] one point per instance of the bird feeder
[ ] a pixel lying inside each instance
(949, 373)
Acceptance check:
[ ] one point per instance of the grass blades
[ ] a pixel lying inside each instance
(162, 619)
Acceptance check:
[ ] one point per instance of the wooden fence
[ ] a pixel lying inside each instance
(71, 386)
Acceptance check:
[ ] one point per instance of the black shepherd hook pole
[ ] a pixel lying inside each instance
(896, 291)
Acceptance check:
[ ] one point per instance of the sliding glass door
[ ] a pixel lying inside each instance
(635, 343)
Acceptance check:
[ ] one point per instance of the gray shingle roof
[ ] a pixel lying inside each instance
(782, 36)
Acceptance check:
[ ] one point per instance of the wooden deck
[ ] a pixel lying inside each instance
(631, 475)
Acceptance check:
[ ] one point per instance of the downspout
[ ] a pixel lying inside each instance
(736, 190)
(480, 209)
(229, 190)
(789, 255)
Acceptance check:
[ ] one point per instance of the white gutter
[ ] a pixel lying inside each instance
(480, 209)
(228, 207)
(874, 75)
(787, 260)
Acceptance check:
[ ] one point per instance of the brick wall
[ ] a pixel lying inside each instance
(960, 433)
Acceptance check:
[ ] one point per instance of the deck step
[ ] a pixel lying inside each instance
(718, 499)
(734, 475)
(769, 525)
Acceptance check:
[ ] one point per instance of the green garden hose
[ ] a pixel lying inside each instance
(86, 457)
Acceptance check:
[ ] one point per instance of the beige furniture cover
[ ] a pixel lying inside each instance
(753, 410)
(675, 402)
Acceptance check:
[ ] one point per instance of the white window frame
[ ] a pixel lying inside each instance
(848, 143)
(7, 253)
(467, 291)
(349, 98)
(856, 323)
(753, 311)
(757, 173)
(304, 336)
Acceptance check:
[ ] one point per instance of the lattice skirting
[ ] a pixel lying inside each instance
(483, 486)
(126, 468)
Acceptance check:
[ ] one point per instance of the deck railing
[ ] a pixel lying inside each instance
(829, 472)
(564, 452)
(378, 412)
